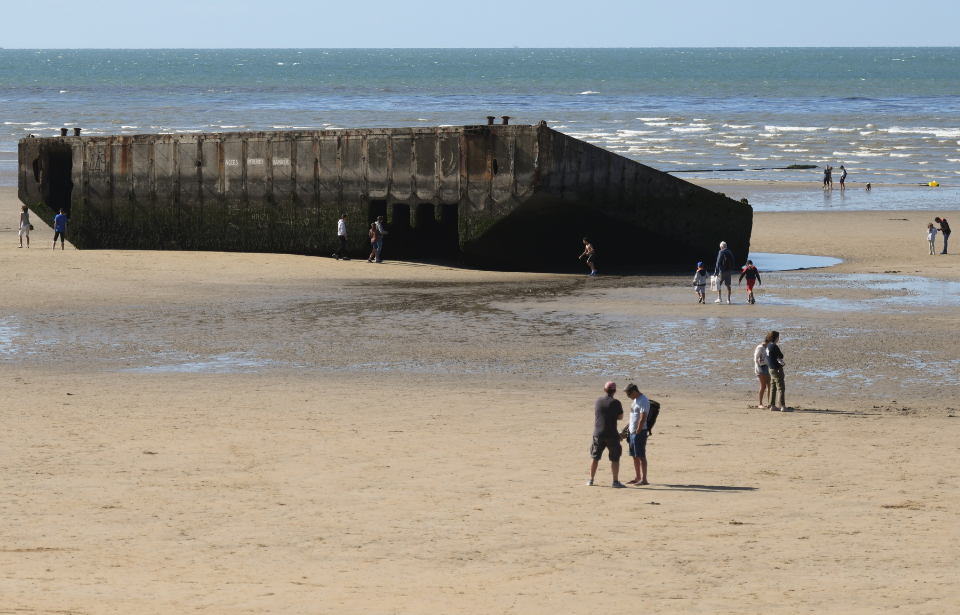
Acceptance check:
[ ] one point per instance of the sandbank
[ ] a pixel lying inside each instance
(257, 432)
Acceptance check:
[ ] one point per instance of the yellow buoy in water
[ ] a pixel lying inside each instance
(933, 184)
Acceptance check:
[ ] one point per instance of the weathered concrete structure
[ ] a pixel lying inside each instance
(513, 196)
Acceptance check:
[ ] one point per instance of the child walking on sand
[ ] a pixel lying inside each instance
(932, 238)
(753, 276)
(589, 253)
(700, 283)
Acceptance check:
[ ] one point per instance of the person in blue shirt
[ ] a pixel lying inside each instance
(59, 229)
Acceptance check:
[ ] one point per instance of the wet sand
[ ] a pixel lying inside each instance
(253, 433)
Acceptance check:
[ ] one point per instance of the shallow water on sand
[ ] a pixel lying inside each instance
(767, 261)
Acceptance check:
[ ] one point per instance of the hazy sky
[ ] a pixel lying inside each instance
(494, 23)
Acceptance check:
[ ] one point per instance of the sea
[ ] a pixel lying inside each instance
(890, 116)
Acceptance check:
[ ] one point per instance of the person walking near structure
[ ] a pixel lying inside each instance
(932, 238)
(342, 238)
(59, 229)
(762, 370)
(589, 252)
(374, 242)
(753, 276)
(607, 411)
(945, 229)
(639, 411)
(25, 225)
(726, 263)
(843, 177)
(383, 231)
(700, 283)
(775, 362)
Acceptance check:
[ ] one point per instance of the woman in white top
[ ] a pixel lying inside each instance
(24, 225)
(762, 370)
(932, 238)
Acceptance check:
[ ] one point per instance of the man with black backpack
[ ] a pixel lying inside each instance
(639, 412)
(723, 271)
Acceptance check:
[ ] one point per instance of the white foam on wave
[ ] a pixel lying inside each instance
(922, 130)
(664, 123)
(631, 133)
(728, 144)
(588, 92)
(25, 123)
(653, 119)
(738, 125)
(791, 128)
(690, 129)
(867, 132)
(902, 155)
(796, 150)
(695, 125)
(129, 127)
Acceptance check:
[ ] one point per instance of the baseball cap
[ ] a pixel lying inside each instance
(610, 385)
(700, 264)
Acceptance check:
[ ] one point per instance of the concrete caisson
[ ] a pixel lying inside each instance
(506, 196)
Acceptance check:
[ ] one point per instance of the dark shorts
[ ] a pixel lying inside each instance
(638, 444)
(59, 235)
(725, 277)
(590, 257)
(612, 444)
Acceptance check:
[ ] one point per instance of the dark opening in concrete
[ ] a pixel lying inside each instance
(377, 208)
(448, 231)
(56, 179)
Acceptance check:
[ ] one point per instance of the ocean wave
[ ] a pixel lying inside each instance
(129, 127)
(631, 133)
(791, 128)
(738, 125)
(588, 92)
(728, 144)
(922, 130)
(697, 125)
(25, 123)
(664, 123)
(653, 119)
(833, 129)
(690, 129)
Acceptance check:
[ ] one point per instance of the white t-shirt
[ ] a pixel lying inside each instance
(342, 228)
(931, 233)
(759, 358)
(640, 405)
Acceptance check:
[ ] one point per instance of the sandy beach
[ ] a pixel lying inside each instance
(241, 433)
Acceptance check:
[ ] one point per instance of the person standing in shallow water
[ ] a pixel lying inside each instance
(843, 177)
(775, 362)
(607, 411)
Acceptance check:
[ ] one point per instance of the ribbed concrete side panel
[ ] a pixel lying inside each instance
(477, 191)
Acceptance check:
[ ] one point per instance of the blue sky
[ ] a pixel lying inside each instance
(494, 23)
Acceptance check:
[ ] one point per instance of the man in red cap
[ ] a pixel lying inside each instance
(607, 411)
